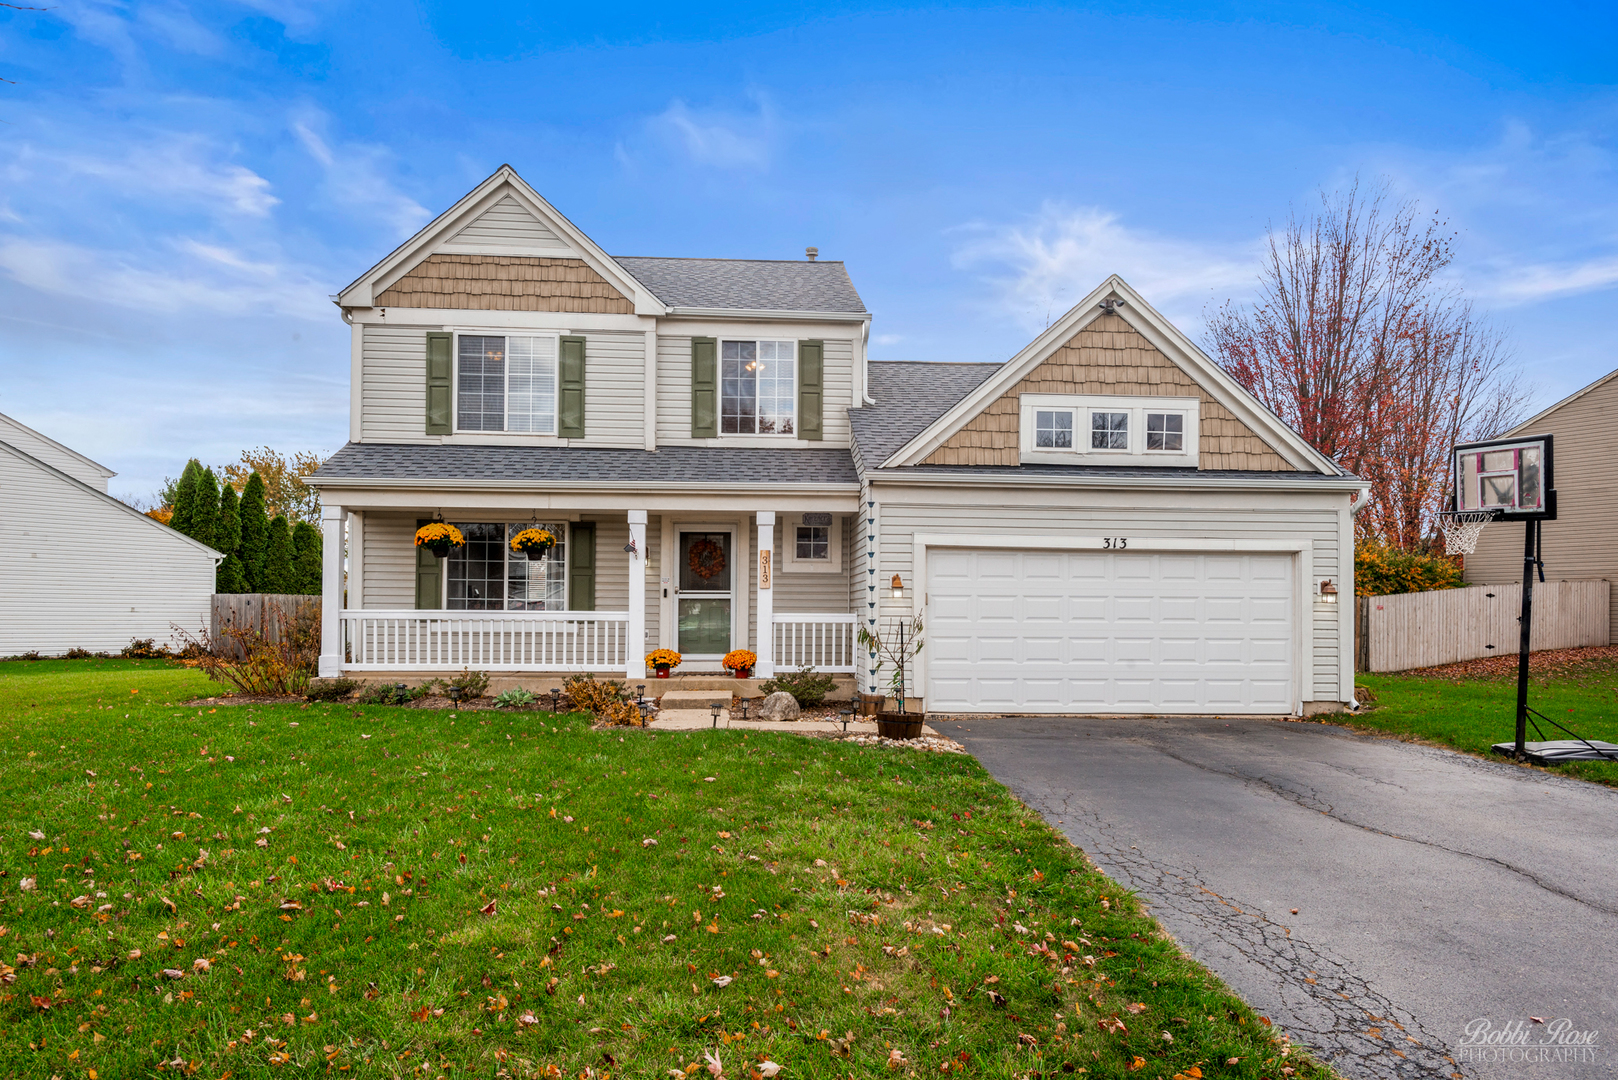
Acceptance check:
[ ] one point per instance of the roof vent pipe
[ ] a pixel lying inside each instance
(813, 253)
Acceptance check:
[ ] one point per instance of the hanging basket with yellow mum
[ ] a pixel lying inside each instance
(535, 543)
(660, 660)
(740, 661)
(439, 537)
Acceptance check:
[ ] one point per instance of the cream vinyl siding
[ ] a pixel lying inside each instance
(612, 562)
(506, 225)
(809, 593)
(1580, 543)
(143, 580)
(614, 390)
(393, 391)
(54, 454)
(674, 383)
(654, 575)
(1234, 516)
(393, 384)
(388, 557)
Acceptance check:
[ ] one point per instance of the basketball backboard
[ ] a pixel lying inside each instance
(1510, 478)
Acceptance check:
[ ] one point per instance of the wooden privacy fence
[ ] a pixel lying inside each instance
(1445, 626)
(267, 613)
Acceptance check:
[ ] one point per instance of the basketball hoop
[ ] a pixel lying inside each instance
(1462, 528)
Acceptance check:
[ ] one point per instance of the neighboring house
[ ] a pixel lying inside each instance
(1581, 543)
(1104, 523)
(83, 570)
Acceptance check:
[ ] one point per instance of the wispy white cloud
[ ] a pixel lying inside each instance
(181, 170)
(888, 339)
(1040, 267)
(190, 277)
(357, 176)
(718, 137)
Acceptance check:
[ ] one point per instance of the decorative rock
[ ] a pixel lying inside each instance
(779, 706)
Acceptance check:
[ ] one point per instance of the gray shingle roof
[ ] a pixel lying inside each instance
(909, 395)
(549, 464)
(746, 284)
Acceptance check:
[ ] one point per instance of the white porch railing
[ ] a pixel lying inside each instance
(823, 642)
(487, 640)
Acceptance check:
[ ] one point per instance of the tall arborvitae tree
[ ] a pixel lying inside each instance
(306, 559)
(185, 494)
(278, 554)
(255, 540)
(227, 538)
(205, 509)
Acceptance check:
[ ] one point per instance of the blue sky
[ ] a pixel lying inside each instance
(183, 185)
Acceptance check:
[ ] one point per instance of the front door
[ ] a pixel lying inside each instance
(704, 595)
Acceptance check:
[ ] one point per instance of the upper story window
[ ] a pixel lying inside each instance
(1109, 430)
(758, 387)
(1165, 431)
(506, 383)
(1083, 429)
(1053, 429)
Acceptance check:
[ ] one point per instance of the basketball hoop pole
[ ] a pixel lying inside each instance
(1529, 561)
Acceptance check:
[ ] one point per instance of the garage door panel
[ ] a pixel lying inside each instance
(1110, 632)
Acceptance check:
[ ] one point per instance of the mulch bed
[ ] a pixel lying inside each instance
(1548, 662)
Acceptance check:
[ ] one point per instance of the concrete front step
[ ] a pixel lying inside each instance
(694, 699)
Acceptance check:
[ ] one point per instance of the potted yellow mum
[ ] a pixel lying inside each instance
(440, 538)
(535, 543)
(661, 660)
(740, 662)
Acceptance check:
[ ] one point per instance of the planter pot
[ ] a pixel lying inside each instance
(535, 554)
(870, 704)
(662, 671)
(898, 725)
(440, 550)
(744, 673)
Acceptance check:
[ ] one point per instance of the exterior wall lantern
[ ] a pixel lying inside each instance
(1328, 592)
(898, 587)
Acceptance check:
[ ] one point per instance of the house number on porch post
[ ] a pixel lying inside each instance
(764, 569)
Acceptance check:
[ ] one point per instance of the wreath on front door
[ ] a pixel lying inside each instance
(706, 559)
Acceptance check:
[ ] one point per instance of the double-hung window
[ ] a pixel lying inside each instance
(758, 387)
(486, 575)
(506, 383)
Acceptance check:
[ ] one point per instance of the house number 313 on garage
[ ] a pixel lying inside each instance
(1119, 542)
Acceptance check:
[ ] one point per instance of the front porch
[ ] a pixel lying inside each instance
(599, 602)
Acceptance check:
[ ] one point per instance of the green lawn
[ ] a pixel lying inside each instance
(255, 891)
(1474, 713)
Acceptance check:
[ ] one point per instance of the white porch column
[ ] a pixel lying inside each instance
(331, 591)
(765, 646)
(635, 662)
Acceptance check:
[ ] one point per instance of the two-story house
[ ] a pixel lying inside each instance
(1104, 523)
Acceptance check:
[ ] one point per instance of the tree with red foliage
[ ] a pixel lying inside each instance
(1357, 342)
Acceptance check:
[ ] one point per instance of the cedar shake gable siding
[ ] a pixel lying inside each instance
(505, 283)
(1108, 357)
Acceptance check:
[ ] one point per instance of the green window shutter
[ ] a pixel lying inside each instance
(704, 388)
(440, 370)
(811, 390)
(429, 576)
(570, 409)
(581, 567)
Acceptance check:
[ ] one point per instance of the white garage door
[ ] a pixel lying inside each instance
(1109, 632)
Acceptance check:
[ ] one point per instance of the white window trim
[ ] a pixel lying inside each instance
(831, 564)
(503, 435)
(777, 437)
(564, 523)
(1082, 405)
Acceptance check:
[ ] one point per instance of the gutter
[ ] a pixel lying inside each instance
(739, 313)
(1320, 482)
(439, 484)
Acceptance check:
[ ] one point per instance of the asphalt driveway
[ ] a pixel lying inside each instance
(1433, 890)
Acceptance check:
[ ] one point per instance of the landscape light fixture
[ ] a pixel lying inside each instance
(744, 708)
(455, 694)
(898, 587)
(640, 692)
(556, 696)
(847, 714)
(1328, 592)
(715, 710)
